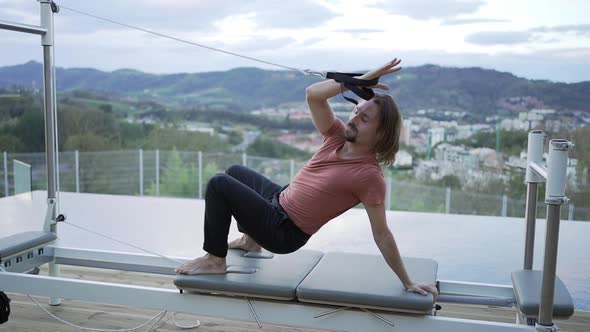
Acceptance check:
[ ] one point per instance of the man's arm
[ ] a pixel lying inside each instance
(386, 244)
(317, 95)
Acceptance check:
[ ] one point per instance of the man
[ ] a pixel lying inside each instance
(344, 172)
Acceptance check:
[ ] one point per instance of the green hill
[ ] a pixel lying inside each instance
(473, 90)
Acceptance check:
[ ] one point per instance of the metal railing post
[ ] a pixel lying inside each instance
(200, 156)
(157, 172)
(244, 159)
(77, 167)
(448, 200)
(536, 140)
(504, 205)
(292, 169)
(140, 172)
(570, 212)
(5, 173)
(554, 197)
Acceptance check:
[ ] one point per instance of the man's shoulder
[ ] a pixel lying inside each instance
(372, 170)
(337, 129)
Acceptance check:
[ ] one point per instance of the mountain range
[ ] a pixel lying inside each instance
(471, 90)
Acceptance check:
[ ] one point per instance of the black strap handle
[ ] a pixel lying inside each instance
(358, 86)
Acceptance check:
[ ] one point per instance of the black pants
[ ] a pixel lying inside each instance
(253, 200)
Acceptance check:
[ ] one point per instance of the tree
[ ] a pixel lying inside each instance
(451, 181)
(178, 179)
(30, 128)
(267, 147)
(107, 108)
(88, 142)
(11, 143)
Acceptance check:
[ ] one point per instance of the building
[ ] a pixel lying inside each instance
(437, 135)
(405, 136)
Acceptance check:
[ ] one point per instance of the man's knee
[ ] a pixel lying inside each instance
(217, 180)
(234, 170)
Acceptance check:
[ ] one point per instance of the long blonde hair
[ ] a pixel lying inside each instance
(389, 130)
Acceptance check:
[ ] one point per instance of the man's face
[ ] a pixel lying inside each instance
(363, 123)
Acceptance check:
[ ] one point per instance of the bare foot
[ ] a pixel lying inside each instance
(207, 264)
(245, 243)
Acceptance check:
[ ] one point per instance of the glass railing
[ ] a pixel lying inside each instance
(186, 173)
(22, 177)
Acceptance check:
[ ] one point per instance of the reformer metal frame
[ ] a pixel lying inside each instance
(555, 176)
(290, 313)
(14, 278)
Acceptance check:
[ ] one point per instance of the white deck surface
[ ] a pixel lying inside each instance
(467, 248)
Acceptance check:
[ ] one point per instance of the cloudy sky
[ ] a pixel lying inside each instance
(540, 39)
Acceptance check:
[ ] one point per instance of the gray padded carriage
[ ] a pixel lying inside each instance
(275, 278)
(527, 287)
(16, 243)
(366, 281)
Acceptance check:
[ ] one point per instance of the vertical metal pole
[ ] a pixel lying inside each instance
(531, 215)
(554, 197)
(504, 205)
(549, 265)
(200, 154)
(50, 127)
(5, 173)
(158, 172)
(77, 161)
(388, 194)
(50, 109)
(244, 159)
(292, 169)
(536, 141)
(570, 212)
(140, 172)
(448, 200)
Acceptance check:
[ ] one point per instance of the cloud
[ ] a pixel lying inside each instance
(359, 31)
(427, 9)
(463, 21)
(290, 14)
(533, 34)
(194, 15)
(261, 43)
(498, 37)
(169, 15)
(579, 29)
(311, 41)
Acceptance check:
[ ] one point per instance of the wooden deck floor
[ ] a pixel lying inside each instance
(26, 316)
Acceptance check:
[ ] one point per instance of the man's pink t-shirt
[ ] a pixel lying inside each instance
(328, 186)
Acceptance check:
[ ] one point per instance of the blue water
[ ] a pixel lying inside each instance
(467, 248)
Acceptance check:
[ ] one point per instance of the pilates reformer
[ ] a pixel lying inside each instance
(307, 288)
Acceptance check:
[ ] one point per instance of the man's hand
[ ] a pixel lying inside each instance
(423, 289)
(386, 69)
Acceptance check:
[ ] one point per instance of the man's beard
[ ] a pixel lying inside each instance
(350, 133)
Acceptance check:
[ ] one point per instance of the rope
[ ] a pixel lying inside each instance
(159, 317)
(303, 71)
(124, 243)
